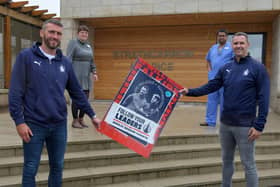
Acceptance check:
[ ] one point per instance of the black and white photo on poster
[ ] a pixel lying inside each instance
(147, 97)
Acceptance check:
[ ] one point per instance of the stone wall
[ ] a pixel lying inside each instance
(112, 8)
(275, 68)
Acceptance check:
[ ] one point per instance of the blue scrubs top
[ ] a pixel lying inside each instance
(218, 58)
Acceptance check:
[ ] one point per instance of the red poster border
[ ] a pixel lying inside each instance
(112, 132)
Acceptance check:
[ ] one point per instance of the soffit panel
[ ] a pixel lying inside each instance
(183, 19)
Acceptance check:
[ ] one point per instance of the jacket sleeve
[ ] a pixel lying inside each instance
(77, 95)
(70, 51)
(92, 62)
(92, 66)
(212, 86)
(17, 90)
(263, 93)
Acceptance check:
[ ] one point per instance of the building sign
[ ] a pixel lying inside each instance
(161, 66)
(141, 108)
(166, 65)
(152, 53)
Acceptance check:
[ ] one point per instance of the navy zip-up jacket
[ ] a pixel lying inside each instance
(36, 93)
(246, 86)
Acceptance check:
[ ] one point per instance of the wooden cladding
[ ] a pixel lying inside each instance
(178, 51)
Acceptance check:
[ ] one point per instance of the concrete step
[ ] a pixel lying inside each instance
(143, 171)
(270, 177)
(79, 146)
(13, 165)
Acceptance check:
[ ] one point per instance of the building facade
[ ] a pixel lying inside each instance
(172, 35)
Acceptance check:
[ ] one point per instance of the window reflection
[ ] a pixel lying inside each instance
(23, 36)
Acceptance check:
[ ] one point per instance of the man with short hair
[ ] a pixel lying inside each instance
(218, 55)
(151, 109)
(246, 89)
(137, 101)
(38, 106)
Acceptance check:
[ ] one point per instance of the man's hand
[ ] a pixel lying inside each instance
(24, 132)
(184, 91)
(253, 134)
(96, 122)
(95, 77)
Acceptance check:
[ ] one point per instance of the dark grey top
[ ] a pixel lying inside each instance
(81, 55)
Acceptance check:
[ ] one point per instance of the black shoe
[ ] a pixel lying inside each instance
(204, 124)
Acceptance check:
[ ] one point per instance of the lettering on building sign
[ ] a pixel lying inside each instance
(162, 66)
(154, 54)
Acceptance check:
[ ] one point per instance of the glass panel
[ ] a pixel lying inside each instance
(256, 48)
(2, 77)
(36, 35)
(23, 36)
(14, 48)
(25, 43)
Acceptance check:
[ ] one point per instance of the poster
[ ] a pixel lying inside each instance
(141, 108)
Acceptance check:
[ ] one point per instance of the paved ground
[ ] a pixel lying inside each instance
(185, 119)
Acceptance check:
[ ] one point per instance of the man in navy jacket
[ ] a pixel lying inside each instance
(38, 106)
(246, 86)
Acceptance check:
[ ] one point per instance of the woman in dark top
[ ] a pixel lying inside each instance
(81, 54)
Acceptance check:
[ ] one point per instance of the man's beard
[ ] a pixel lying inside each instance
(48, 43)
(222, 42)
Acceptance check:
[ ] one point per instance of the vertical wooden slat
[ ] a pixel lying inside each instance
(7, 50)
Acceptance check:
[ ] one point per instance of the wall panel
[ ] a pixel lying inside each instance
(178, 51)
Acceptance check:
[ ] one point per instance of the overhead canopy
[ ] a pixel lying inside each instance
(22, 7)
(184, 19)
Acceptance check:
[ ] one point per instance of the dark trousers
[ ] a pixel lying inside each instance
(55, 138)
(77, 112)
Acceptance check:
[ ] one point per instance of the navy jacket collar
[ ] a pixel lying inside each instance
(37, 51)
